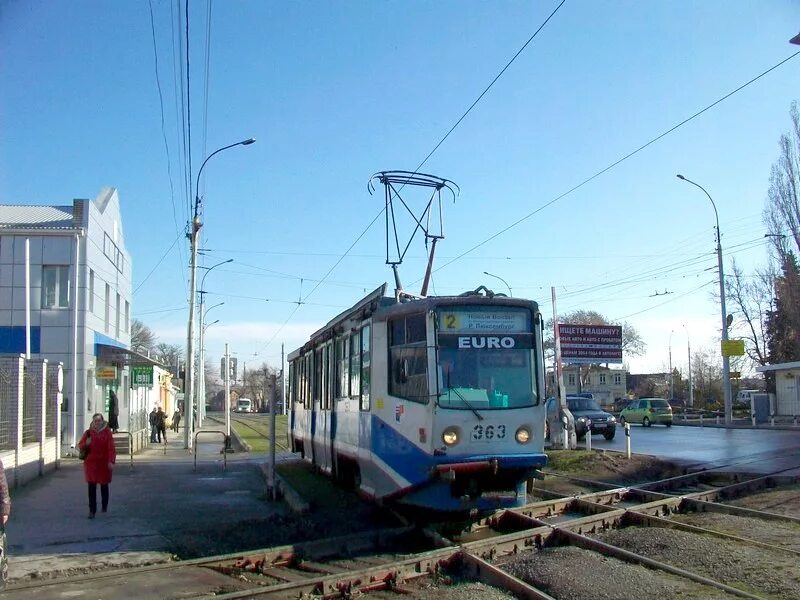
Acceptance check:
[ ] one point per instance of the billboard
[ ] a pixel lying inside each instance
(590, 343)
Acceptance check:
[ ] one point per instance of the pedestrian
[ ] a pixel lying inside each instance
(113, 411)
(5, 512)
(161, 425)
(176, 420)
(153, 417)
(97, 445)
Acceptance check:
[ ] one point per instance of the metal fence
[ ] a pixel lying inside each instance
(31, 407)
(5, 417)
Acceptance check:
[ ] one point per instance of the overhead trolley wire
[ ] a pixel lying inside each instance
(618, 162)
(160, 260)
(431, 153)
(163, 135)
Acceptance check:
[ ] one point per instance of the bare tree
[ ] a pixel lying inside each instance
(142, 337)
(782, 211)
(168, 354)
(751, 298)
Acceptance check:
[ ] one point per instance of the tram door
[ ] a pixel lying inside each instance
(309, 424)
(322, 414)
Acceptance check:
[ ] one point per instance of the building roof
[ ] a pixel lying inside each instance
(779, 367)
(27, 216)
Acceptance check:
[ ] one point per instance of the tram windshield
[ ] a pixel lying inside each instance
(488, 364)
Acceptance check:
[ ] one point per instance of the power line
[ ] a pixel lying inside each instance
(457, 123)
(160, 260)
(616, 163)
(163, 126)
(488, 87)
(188, 107)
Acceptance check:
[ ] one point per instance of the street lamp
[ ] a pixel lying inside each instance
(501, 279)
(689, 353)
(201, 367)
(671, 388)
(726, 365)
(188, 399)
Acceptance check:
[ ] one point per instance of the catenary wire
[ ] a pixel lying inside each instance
(163, 126)
(431, 153)
(616, 162)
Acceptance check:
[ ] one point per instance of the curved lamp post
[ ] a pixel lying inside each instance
(201, 367)
(510, 295)
(726, 365)
(689, 354)
(188, 399)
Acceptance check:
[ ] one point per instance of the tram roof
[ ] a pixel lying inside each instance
(377, 304)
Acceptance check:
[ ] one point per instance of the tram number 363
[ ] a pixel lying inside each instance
(487, 433)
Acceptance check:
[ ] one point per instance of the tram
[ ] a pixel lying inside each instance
(432, 402)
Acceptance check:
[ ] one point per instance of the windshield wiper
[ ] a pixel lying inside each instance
(464, 400)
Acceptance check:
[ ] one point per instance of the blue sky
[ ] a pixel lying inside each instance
(334, 92)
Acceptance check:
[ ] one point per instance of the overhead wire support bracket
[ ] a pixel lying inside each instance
(427, 222)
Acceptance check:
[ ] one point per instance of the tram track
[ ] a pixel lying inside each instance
(695, 507)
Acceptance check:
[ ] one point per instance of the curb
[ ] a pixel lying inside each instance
(289, 495)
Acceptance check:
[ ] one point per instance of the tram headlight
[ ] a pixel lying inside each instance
(450, 436)
(523, 435)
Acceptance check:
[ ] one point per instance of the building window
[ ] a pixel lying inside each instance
(91, 291)
(55, 286)
(571, 379)
(118, 315)
(617, 379)
(127, 317)
(108, 305)
(602, 379)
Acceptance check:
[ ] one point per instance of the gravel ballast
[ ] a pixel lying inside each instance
(753, 569)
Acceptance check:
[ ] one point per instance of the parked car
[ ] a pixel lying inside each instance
(647, 411)
(588, 415)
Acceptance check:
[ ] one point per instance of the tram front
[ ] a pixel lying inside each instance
(488, 422)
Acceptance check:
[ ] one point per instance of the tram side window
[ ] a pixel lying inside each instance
(323, 380)
(365, 376)
(331, 380)
(317, 397)
(307, 382)
(355, 364)
(342, 367)
(291, 386)
(408, 362)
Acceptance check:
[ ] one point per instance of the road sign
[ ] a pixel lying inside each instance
(732, 347)
(590, 343)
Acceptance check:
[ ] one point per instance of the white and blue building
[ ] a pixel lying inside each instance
(65, 295)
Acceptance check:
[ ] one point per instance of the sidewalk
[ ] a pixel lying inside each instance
(155, 507)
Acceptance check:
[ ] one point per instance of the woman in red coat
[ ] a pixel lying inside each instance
(99, 443)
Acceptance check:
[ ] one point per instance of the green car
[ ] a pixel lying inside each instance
(647, 411)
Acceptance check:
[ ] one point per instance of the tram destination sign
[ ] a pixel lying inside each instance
(590, 343)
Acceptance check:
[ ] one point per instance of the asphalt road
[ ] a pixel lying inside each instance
(746, 450)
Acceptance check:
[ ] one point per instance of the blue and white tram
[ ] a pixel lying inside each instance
(435, 402)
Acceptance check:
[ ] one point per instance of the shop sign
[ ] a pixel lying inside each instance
(142, 376)
(106, 373)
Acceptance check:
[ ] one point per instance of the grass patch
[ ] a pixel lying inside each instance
(571, 461)
(255, 432)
